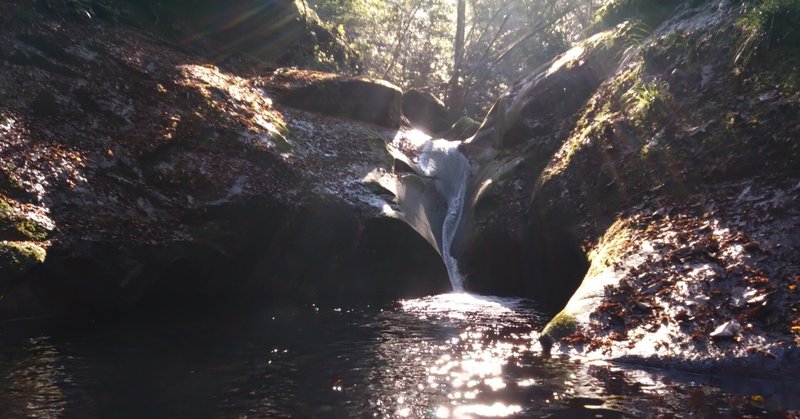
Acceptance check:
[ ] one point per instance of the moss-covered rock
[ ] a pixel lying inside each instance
(462, 129)
(660, 174)
(18, 257)
(17, 227)
(563, 324)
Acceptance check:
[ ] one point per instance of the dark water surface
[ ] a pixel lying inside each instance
(444, 356)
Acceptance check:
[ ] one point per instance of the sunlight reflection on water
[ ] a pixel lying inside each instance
(467, 367)
(447, 356)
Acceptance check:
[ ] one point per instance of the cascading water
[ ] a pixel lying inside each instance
(441, 160)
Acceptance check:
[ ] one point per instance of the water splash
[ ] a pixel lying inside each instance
(441, 160)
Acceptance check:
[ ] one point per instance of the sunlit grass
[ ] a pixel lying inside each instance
(647, 98)
(768, 24)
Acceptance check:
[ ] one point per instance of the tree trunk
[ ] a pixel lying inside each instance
(455, 95)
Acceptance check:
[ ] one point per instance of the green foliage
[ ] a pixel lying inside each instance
(407, 42)
(766, 25)
(638, 33)
(325, 61)
(644, 99)
(411, 42)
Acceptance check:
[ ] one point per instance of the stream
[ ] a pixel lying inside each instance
(453, 355)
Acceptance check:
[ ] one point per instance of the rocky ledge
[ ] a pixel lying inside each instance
(133, 172)
(656, 177)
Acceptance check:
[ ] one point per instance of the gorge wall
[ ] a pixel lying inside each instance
(667, 166)
(135, 171)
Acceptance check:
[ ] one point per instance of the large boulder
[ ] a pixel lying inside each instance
(425, 111)
(133, 173)
(375, 101)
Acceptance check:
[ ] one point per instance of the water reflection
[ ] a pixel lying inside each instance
(455, 368)
(449, 356)
(31, 385)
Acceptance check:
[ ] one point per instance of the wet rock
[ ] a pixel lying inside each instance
(539, 257)
(553, 94)
(45, 105)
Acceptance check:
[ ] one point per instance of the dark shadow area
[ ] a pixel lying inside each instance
(269, 254)
(547, 265)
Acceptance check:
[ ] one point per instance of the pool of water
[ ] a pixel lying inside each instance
(451, 355)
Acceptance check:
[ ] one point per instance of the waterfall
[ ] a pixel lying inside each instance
(441, 160)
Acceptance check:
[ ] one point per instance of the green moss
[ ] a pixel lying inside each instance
(31, 229)
(465, 127)
(18, 257)
(5, 209)
(561, 325)
(15, 227)
(282, 144)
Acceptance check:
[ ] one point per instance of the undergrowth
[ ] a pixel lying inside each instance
(650, 12)
(766, 25)
(645, 99)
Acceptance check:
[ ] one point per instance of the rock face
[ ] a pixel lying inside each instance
(512, 146)
(425, 112)
(669, 178)
(374, 101)
(132, 173)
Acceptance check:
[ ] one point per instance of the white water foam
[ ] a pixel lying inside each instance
(441, 160)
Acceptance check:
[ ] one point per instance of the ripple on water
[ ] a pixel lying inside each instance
(445, 356)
